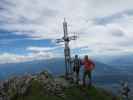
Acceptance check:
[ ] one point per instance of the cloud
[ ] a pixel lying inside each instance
(105, 39)
(101, 25)
(33, 53)
(44, 18)
(16, 58)
(41, 49)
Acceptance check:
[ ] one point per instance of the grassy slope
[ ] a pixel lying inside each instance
(74, 93)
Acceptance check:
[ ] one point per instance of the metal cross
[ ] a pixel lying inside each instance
(66, 39)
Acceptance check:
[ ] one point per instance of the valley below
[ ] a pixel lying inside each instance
(105, 76)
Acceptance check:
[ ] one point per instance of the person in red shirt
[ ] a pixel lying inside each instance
(88, 67)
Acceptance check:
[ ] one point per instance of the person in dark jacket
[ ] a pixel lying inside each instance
(76, 67)
(88, 67)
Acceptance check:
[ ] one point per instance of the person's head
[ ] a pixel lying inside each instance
(86, 57)
(76, 56)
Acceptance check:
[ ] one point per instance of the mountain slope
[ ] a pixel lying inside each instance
(15, 69)
(73, 93)
(55, 66)
(104, 69)
(60, 89)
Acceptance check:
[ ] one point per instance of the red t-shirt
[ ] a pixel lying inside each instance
(88, 64)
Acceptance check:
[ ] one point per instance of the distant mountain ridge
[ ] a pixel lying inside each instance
(122, 60)
(55, 66)
(6, 70)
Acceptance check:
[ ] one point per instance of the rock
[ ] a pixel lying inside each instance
(55, 86)
(19, 85)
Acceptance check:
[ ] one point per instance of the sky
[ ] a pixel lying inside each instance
(29, 28)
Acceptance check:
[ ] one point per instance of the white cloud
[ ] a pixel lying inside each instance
(38, 55)
(41, 49)
(42, 19)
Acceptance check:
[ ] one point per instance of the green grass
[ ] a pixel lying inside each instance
(37, 92)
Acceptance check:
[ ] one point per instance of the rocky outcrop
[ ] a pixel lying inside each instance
(14, 87)
(52, 86)
(19, 86)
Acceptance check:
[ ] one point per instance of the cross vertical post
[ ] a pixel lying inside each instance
(66, 39)
(67, 49)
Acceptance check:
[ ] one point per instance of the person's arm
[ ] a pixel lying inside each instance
(72, 60)
(93, 64)
(81, 62)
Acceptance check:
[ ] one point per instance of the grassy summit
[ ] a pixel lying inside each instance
(37, 92)
(43, 86)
